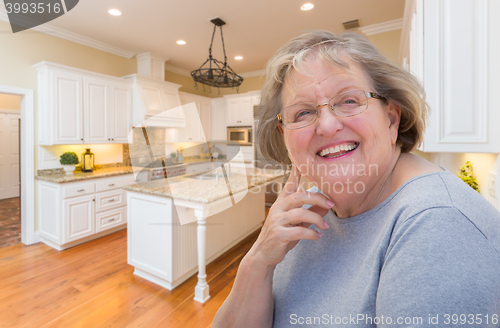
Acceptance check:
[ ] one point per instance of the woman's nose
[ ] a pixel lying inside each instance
(328, 123)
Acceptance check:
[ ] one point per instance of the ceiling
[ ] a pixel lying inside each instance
(254, 29)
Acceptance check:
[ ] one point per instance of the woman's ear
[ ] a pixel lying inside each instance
(394, 119)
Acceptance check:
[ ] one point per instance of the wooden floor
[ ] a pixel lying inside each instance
(92, 285)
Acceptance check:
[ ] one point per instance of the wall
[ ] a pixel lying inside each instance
(387, 43)
(12, 102)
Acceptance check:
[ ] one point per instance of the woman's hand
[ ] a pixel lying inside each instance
(287, 222)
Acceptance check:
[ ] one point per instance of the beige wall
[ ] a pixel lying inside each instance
(10, 102)
(387, 43)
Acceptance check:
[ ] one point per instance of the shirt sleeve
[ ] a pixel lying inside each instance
(439, 267)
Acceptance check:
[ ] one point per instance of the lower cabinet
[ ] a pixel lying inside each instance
(75, 212)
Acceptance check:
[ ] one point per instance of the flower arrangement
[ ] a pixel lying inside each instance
(466, 173)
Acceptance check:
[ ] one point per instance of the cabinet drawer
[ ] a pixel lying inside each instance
(79, 190)
(199, 168)
(112, 218)
(110, 199)
(110, 184)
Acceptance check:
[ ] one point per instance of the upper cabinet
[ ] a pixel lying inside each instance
(451, 45)
(79, 107)
(239, 110)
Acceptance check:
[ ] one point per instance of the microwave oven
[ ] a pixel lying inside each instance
(240, 134)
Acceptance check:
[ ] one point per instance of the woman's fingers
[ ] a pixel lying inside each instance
(301, 198)
(301, 215)
(292, 185)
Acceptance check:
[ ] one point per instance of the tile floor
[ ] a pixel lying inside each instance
(10, 222)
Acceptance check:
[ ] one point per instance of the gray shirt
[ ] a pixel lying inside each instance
(428, 256)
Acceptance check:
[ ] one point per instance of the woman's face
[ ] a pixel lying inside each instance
(372, 133)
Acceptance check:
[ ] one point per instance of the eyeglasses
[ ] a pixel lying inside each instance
(345, 104)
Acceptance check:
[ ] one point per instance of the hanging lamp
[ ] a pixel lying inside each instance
(214, 72)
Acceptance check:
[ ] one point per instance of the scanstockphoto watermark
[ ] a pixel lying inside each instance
(330, 179)
(356, 319)
(470, 319)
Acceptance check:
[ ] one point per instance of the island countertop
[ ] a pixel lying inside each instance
(206, 191)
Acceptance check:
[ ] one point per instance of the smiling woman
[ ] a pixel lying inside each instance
(383, 235)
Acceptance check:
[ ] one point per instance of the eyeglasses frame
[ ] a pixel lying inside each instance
(367, 94)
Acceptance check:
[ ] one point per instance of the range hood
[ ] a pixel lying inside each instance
(154, 101)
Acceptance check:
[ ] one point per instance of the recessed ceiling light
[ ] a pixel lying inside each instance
(115, 12)
(307, 6)
(181, 42)
(238, 58)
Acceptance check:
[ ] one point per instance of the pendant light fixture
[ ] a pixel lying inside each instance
(215, 73)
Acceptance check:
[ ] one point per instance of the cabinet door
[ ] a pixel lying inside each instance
(232, 116)
(97, 110)
(68, 108)
(246, 111)
(78, 218)
(218, 120)
(206, 119)
(120, 114)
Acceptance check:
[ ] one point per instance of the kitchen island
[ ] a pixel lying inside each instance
(178, 225)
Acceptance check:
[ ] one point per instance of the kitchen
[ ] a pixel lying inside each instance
(18, 71)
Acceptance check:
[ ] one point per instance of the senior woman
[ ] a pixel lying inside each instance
(385, 238)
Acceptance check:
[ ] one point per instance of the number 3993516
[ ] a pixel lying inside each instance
(33, 8)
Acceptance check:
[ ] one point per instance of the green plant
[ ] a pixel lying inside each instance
(69, 158)
(466, 173)
(173, 155)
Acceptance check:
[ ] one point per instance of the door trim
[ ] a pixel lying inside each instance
(28, 235)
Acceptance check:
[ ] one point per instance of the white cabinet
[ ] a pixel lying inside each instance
(79, 218)
(64, 92)
(451, 45)
(239, 110)
(75, 212)
(197, 111)
(218, 128)
(79, 107)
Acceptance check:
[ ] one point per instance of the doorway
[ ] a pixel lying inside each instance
(10, 150)
(24, 207)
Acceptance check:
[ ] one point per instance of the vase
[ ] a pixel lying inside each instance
(69, 169)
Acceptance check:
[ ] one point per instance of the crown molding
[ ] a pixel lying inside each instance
(177, 70)
(388, 26)
(74, 37)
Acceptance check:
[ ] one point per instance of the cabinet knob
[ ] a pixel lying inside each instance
(111, 200)
(82, 139)
(80, 190)
(111, 219)
(111, 185)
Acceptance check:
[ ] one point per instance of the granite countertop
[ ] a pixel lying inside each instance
(206, 191)
(79, 175)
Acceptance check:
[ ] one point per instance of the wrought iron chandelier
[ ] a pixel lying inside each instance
(214, 72)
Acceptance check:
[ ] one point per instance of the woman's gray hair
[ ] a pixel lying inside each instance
(387, 78)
